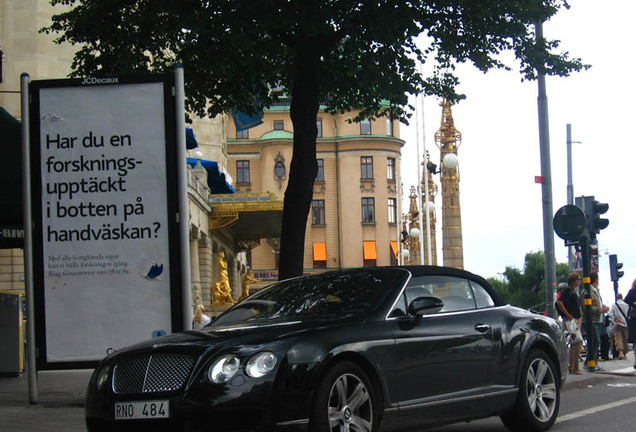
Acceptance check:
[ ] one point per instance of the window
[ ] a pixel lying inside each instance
(319, 127)
(318, 212)
(456, 293)
(365, 127)
(243, 171)
(279, 170)
(392, 210)
(279, 125)
(389, 127)
(390, 168)
(368, 210)
(248, 257)
(320, 255)
(243, 134)
(320, 176)
(482, 298)
(370, 254)
(366, 167)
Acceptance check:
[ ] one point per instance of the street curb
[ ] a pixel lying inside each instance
(594, 378)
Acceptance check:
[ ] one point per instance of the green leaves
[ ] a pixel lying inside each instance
(526, 288)
(367, 51)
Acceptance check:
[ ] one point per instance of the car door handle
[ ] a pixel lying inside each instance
(482, 328)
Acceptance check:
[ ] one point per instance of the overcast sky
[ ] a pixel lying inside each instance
(502, 213)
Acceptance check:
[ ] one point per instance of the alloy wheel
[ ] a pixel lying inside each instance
(350, 406)
(541, 390)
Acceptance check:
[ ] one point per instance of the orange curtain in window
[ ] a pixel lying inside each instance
(394, 248)
(320, 252)
(370, 252)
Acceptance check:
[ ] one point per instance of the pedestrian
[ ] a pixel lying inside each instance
(598, 309)
(618, 314)
(606, 340)
(568, 304)
(630, 299)
(560, 288)
(200, 319)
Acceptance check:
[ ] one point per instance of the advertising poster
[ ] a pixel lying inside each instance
(104, 215)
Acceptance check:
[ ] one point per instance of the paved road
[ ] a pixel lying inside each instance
(61, 397)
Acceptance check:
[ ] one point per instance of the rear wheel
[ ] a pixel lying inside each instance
(344, 401)
(537, 404)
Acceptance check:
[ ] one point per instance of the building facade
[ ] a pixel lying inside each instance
(23, 49)
(354, 217)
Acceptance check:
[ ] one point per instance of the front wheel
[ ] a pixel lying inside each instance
(537, 404)
(344, 401)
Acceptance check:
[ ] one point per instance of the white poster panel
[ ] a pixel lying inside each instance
(104, 218)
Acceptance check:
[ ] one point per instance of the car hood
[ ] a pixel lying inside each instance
(253, 332)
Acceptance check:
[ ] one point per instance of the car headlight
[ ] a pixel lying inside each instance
(102, 377)
(261, 364)
(224, 369)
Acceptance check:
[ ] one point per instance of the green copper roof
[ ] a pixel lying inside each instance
(277, 134)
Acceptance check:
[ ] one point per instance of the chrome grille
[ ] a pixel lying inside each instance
(151, 374)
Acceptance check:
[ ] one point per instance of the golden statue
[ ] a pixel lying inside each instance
(222, 291)
(247, 280)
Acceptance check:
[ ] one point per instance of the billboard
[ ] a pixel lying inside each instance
(104, 197)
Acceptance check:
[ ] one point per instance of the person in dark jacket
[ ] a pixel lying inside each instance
(568, 304)
(630, 299)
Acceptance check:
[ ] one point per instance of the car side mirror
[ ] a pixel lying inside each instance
(426, 306)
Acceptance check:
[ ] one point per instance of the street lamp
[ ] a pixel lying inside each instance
(415, 233)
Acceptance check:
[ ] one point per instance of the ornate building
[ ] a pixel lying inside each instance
(353, 219)
(217, 225)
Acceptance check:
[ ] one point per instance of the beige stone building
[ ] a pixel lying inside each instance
(356, 210)
(356, 207)
(24, 50)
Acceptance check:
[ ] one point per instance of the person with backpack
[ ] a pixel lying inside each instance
(618, 313)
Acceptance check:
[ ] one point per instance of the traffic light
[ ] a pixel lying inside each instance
(593, 211)
(615, 266)
(598, 223)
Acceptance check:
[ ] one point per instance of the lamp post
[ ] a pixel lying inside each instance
(430, 192)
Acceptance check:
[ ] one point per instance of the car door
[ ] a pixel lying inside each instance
(446, 353)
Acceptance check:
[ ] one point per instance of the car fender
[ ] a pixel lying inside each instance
(537, 338)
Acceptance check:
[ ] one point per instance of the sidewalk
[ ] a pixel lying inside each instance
(613, 369)
(60, 406)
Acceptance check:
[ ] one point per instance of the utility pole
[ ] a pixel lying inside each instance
(570, 186)
(546, 185)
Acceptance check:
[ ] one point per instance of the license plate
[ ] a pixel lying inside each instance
(142, 410)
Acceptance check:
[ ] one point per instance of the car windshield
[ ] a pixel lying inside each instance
(335, 293)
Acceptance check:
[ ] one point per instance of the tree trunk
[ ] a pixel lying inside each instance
(298, 195)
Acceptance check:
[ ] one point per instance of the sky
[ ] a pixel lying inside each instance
(499, 157)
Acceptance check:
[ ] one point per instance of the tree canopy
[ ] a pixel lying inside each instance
(526, 288)
(347, 54)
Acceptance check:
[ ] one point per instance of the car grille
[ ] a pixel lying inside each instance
(151, 374)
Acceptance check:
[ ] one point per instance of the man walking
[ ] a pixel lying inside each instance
(598, 309)
(618, 314)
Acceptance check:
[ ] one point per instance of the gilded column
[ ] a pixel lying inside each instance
(429, 206)
(414, 223)
(448, 139)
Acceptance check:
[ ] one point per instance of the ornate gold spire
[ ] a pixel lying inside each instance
(448, 139)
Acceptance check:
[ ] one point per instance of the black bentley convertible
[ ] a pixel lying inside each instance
(354, 350)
